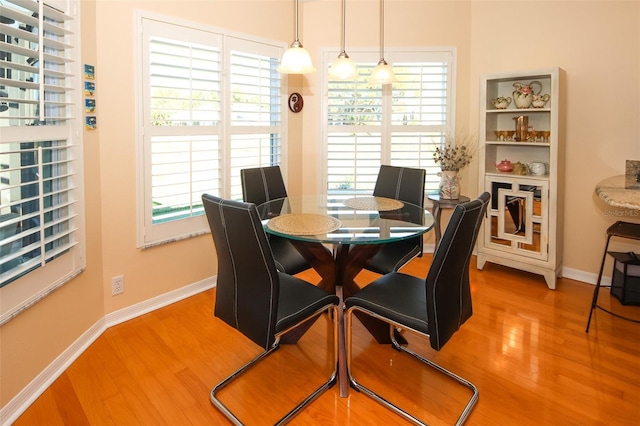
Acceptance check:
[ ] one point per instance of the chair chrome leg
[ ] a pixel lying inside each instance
(471, 386)
(333, 312)
(219, 405)
(377, 397)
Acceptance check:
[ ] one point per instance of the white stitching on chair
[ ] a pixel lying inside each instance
(399, 184)
(272, 279)
(264, 184)
(400, 314)
(226, 238)
(403, 261)
(437, 335)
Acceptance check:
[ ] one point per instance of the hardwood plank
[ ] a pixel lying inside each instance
(45, 411)
(524, 347)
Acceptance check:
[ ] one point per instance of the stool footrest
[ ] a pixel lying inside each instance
(628, 258)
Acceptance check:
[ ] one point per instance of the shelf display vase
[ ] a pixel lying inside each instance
(522, 100)
(449, 185)
(524, 93)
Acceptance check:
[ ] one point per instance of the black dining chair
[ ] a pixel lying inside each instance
(256, 299)
(262, 184)
(403, 184)
(435, 307)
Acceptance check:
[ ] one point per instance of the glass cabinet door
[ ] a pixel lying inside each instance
(516, 221)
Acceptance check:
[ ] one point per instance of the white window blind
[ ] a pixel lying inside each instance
(399, 124)
(210, 106)
(255, 111)
(41, 231)
(181, 98)
(184, 81)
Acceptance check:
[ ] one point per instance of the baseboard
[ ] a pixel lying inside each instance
(585, 277)
(10, 412)
(133, 311)
(19, 404)
(574, 274)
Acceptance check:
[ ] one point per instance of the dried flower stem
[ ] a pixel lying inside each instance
(453, 157)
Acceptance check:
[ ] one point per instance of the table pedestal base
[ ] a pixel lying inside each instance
(338, 271)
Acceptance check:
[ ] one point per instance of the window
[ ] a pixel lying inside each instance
(399, 124)
(41, 229)
(210, 105)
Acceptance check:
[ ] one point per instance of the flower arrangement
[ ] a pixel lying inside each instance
(453, 156)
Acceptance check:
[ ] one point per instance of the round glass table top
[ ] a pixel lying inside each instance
(344, 219)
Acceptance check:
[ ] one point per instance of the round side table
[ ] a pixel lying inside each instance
(438, 205)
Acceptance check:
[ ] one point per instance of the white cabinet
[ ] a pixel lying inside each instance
(523, 227)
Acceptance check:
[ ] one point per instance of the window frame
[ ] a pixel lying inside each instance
(392, 55)
(149, 234)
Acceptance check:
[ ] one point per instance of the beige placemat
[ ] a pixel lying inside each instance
(304, 224)
(381, 204)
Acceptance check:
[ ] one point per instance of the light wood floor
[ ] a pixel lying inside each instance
(525, 348)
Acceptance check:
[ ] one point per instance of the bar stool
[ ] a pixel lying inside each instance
(622, 230)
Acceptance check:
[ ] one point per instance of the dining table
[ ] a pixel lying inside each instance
(337, 234)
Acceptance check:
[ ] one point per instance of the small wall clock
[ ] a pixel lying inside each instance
(296, 102)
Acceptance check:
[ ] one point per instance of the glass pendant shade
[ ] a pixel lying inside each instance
(296, 59)
(382, 74)
(343, 68)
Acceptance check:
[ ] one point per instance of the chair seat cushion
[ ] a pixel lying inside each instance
(399, 297)
(299, 299)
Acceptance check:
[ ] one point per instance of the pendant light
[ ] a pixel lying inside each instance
(343, 68)
(296, 59)
(383, 72)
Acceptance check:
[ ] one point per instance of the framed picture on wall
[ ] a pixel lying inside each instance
(89, 72)
(89, 88)
(89, 105)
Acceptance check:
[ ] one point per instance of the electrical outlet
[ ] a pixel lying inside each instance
(117, 285)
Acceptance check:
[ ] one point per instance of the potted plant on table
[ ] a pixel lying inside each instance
(452, 157)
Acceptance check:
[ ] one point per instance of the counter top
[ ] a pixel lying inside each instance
(618, 191)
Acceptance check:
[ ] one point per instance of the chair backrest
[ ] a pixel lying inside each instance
(401, 183)
(262, 184)
(248, 284)
(448, 291)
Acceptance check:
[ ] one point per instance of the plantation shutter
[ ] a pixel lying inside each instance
(210, 105)
(355, 125)
(181, 127)
(255, 99)
(420, 112)
(40, 159)
(399, 124)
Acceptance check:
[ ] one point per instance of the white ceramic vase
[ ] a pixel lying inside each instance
(449, 185)
(522, 100)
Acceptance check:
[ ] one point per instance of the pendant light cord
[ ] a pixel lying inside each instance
(344, 13)
(381, 30)
(297, 40)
